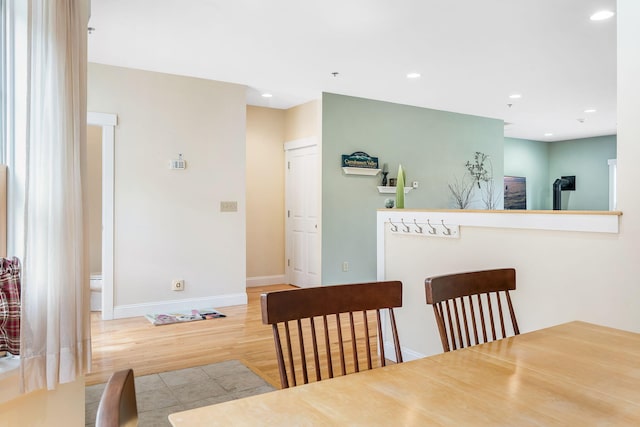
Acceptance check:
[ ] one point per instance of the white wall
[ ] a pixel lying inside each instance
(561, 276)
(168, 223)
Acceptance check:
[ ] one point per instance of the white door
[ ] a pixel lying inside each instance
(303, 238)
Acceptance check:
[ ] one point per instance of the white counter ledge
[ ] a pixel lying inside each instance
(590, 221)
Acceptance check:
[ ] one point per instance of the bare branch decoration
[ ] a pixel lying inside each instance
(461, 191)
(480, 173)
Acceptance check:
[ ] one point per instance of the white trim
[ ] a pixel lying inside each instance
(393, 190)
(95, 289)
(102, 119)
(95, 300)
(265, 280)
(360, 171)
(133, 310)
(300, 143)
(380, 272)
(594, 222)
(108, 123)
(407, 353)
(613, 185)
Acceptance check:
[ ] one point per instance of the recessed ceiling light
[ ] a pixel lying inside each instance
(515, 96)
(590, 110)
(266, 95)
(602, 15)
(413, 75)
(548, 134)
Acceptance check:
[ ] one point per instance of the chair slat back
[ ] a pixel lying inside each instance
(118, 406)
(325, 331)
(470, 307)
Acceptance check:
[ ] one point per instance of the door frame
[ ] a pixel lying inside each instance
(311, 141)
(108, 123)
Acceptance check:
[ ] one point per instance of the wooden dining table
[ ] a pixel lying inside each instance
(574, 374)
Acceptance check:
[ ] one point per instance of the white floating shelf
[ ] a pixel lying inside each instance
(360, 171)
(389, 189)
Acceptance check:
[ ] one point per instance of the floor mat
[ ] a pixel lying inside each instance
(159, 395)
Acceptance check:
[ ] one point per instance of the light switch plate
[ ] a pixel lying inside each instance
(228, 206)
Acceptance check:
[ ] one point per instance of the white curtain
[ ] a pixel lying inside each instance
(55, 318)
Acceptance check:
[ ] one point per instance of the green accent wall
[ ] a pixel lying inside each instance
(530, 159)
(586, 159)
(543, 162)
(432, 147)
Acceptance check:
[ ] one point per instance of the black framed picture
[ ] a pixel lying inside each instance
(515, 192)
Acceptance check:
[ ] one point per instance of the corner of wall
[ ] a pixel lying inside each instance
(303, 120)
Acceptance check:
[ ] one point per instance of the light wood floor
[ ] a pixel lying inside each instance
(136, 343)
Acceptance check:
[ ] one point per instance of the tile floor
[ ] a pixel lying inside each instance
(158, 395)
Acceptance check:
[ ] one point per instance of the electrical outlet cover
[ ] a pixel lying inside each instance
(229, 206)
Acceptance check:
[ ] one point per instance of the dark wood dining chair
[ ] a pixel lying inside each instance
(344, 319)
(470, 307)
(118, 407)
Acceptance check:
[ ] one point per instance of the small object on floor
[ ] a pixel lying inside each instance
(210, 313)
(168, 319)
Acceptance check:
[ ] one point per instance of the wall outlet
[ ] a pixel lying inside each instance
(229, 206)
(345, 266)
(177, 285)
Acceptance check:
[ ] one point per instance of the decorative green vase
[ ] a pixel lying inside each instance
(400, 188)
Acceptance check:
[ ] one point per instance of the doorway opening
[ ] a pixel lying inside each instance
(94, 203)
(101, 256)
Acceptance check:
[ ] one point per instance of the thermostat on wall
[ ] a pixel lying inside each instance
(179, 163)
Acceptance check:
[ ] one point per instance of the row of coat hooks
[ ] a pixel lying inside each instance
(427, 229)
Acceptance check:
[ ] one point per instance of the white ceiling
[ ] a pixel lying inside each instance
(471, 54)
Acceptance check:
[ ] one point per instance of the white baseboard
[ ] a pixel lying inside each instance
(407, 353)
(96, 301)
(95, 286)
(265, 280)
(133, 310)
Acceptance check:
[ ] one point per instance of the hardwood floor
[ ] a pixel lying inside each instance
(136, 343)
